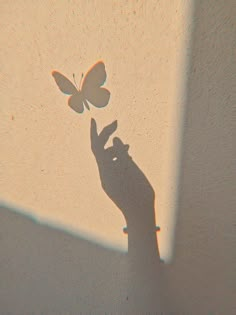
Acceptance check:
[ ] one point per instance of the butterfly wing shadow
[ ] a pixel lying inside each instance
(65, 85)
(76, 102)
(91, 88)
(76, 99)
(98, 97)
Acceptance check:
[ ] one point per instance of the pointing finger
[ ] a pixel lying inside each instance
(93, 134)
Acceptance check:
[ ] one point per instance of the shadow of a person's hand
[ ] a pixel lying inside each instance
(129, 189)
(121, 178)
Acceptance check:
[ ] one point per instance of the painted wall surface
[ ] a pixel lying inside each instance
(202, 277)
(48, 152)
(170, 72)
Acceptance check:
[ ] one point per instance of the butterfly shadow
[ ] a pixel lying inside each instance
(90, 91)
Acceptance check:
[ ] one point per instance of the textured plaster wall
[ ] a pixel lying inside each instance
(171, 90)
(202, 276)
(47, 166)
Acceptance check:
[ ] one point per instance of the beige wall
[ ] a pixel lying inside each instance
(48, 166)
(202, 277)
(171, 92)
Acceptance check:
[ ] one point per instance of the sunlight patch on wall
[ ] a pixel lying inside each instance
(172, 172)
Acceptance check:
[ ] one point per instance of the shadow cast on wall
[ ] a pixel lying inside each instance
(46, 270)
(91, 90)
(126, 185)
(202, 278)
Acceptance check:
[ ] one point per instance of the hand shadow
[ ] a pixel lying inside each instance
(127, 186)
(121, 178)
(123, 181)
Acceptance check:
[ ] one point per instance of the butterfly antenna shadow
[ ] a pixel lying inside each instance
(75, 81)
(86, 104)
